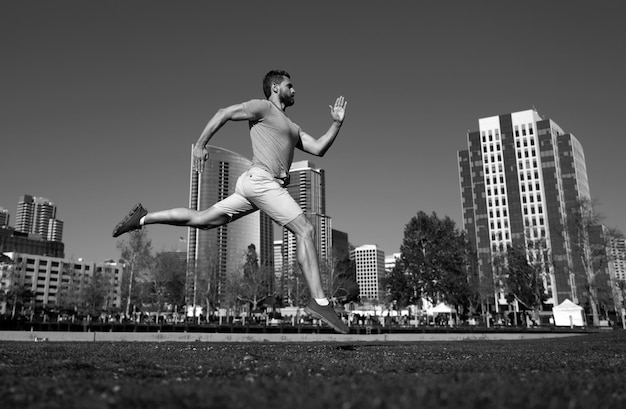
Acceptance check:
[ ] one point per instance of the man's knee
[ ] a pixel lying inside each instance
(211, 218)
(302, 227)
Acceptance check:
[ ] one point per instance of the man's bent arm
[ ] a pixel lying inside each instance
(319, 146)
(223, 115)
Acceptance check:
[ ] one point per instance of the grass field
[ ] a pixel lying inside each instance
(586, 371)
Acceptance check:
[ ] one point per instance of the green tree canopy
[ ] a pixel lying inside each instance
(435, 256)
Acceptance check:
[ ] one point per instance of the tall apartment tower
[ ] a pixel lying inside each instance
(519, 178)
(37, 215)
(617, 258)
(308, 188)
(4, 217)
(370, 270)
(219, 252)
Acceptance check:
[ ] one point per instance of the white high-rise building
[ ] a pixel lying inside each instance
(520, 177)
(370, 270)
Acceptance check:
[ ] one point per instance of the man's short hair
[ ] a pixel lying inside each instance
(273, 77)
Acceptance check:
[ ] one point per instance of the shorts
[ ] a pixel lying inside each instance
(257, 189)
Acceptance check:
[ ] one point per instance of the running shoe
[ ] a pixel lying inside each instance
(327, 314)
(131, 221)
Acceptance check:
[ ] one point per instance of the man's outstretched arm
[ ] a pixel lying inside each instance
(231, 113)
(320, 145)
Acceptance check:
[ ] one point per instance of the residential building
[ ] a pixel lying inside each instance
(278, 266)
(370, 271)
(618, 257)
(4, 217)
(216, 253)
(617, 260)
(520, 178)
(308, 188)
(37, 215)
(60, 283)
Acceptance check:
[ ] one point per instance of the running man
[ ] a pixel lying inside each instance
(263, 186)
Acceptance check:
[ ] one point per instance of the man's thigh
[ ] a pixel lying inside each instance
(234, 207)
(264, 192)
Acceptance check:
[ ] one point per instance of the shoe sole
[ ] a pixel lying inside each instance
(118, 227)
(321, 317)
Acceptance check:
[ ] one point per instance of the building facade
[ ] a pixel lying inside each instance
(391, 260)
(618, 258)
(520, 177)
(308, 188)
(59, 283)
(370, 271)
(37, 215)
(18, 242)
(4, 217)
(215, 254)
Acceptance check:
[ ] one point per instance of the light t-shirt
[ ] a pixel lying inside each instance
(274, 137)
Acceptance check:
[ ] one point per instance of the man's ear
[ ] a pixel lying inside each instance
(274, 87)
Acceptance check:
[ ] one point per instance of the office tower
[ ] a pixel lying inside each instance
(308, 188)
(370, 270)
(34, 216)
(520, 177)
(220, 252)
(341, 245)
(278, 267)
(4, 217)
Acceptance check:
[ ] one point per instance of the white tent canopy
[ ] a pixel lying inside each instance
(441, 308)
(568, 314)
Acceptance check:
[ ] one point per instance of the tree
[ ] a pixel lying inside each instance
(15, 293)
(434, 252)
(295, 285)
(344, 287)
(135, 251)
(524, 279)
(165, 283)
(69, 295)
(399, 288)
(590, 241)
(94, 293)
(254, 287)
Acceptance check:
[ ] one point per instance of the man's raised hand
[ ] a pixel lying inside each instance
(338, 111)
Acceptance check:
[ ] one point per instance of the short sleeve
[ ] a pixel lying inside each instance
(256, 108)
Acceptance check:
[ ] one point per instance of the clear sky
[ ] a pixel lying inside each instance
(101, 101)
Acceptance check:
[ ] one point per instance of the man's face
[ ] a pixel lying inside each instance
(286, 92)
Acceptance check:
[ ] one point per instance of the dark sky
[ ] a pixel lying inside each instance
(101, 101)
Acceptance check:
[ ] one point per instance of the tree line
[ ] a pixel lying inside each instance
(438, 264)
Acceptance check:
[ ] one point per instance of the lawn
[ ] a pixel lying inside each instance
(587, 371)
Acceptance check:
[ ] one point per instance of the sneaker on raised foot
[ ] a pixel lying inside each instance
(327, 314)
(131, 221)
